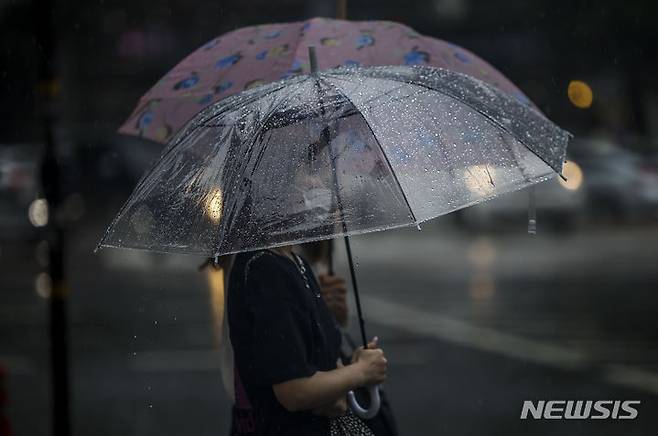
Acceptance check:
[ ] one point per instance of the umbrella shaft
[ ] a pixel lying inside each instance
(313, 61)
(330, 256)
(356, 291)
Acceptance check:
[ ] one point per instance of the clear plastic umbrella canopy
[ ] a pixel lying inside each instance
(334, 153)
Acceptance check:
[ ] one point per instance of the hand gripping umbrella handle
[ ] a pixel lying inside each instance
(375, 403)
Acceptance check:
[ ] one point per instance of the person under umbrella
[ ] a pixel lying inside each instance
(260, 54)
(229, 181)
(288, 373)
(289, 379)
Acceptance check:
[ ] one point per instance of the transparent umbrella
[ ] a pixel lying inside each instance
(335, 153)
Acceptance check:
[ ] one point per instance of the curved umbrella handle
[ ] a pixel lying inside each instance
(375, 403)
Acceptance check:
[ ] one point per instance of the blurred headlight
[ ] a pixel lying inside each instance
(38, 212)
(574, 175)
(480, 179)
(214, 205)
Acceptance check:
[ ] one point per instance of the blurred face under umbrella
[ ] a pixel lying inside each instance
(256, 55)
(273, 165)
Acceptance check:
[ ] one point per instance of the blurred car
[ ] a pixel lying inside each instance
(620, 184)
(103, 169)
(559, 204)
(19, 170)
(647, 186)
(96, 173)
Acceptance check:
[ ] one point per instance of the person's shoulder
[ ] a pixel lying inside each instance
(262, 264)
(260, 258)
(267, 276)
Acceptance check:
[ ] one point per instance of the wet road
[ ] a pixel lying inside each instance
(473, 325)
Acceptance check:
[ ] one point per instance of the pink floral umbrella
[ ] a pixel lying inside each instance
(255, 55)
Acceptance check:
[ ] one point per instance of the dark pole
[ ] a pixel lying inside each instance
(313, 61)
(48, 87)
(341, 9)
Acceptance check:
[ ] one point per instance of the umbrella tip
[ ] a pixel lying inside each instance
(532, 226)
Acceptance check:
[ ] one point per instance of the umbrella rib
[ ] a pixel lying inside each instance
(522, 168)
(493, 121)
(190, 128)
(388, 162)
(487, 117)
(281, 84)
(254, 136)
(171, 146)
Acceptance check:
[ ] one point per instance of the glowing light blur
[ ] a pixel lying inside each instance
(580, 94)
(482, 287)
(215, 278)
(482, 253)
(480, 179)
(37, 213)
(215, 205)
(43, 285)
(574, 174)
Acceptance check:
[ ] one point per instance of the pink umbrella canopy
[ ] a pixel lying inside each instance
(255, 55)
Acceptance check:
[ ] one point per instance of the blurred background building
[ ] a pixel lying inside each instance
(475, 314)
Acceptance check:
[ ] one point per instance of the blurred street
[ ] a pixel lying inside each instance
(473, 324)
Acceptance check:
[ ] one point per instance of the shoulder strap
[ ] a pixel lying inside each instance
(250, 261)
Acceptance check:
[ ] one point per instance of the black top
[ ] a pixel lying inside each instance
(280, 329)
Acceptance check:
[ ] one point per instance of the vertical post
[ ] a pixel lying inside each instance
(341, 9)
(48, 87)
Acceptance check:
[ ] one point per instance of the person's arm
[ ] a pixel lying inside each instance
(327, 387)
(338, 407)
